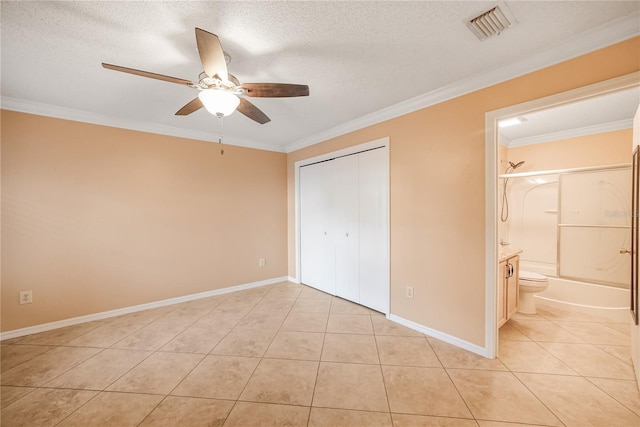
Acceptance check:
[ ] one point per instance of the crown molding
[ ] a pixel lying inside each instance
(570, 133)
(48, 110)
(597, 38)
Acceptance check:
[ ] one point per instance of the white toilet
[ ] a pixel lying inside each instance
(530, 283)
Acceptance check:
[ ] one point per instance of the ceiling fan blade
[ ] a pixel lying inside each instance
(275, 90)
(211, 54)
(253, 112)
(192, 106)
(148, 74)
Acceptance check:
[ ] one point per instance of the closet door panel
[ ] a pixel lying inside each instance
(373, 223)
(345, 225)
(317, 251)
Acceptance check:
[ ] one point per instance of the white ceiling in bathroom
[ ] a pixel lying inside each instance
(364, 61)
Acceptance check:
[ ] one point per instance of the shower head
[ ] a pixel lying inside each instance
(516, 165)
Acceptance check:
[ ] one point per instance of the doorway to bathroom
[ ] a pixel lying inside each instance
(563, 156)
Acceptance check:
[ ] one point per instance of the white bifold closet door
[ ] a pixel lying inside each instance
(344, 227)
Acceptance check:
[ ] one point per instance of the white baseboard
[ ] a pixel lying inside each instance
(126, 310)
(466, 345)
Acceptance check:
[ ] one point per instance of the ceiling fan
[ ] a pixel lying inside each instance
(220, 92)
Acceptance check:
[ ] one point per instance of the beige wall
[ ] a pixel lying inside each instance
(606, 148)
(97, 218)
(437, 190)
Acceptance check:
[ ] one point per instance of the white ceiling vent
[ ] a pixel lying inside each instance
(491, 22)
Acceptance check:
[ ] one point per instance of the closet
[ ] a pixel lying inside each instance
(344, 227)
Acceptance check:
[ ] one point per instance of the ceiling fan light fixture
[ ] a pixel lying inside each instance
(219, 102)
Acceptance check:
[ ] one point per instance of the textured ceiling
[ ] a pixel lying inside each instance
(357, 57)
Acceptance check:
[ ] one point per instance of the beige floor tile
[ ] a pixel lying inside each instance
(350, 386)
(483, 423)
(423, 391)
(288, 382)
(577, 402)
(311, 293)
(528, 356)
(350, 348)
(262, 321)
(305, 322)
(500, 396)
(235, 306)
(44, 407)
(349, 324)
(113, 409)
(624, 328)
(624, 391)
(158, 374)
(244, 342)
(183, 316)
(151, 337)
(454, 357)
(342, 306)
(197, 338)
(311, 306)
(621, 352)
(218, 377)
(596, 333)
(60, 336)
(45, 367)
(217, 320)
(296, 345)
(404, 420)
(9, 394)
(384, 326)
(324, 417)
(100, 371)
(275, 305)
(406, 351)
(13, 355)
(566, 314)
(588, 360)
(246, 414)
(106, 335)
(285, 291)
(509, 333)
(544, 330)
(143, 317)
(189, 412)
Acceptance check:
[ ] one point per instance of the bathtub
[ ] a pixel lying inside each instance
(599, 300)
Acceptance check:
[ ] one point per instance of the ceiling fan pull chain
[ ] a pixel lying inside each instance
(220, 117)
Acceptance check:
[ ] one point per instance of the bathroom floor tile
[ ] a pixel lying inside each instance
(246, 414)
(113, 409)
(342, 306)
(405, 420)
(350, 348)
(151, 337)
(349, 324)
(423, 391)
(282, 381)
(407, 351)
(311, 306)
(244, 342)
(275, 305)
(383, 326)
(296, 345)
(262, 321)
(624, 391)
(197, 338)
(305, 322)
(218, 377)
(577, 402)
(311, 293)
(324, 417)
(364, 383)
(13, 355)
(60, 336)
(544, 330)
(596, 333)
(528, 356)
(589, 360)
(621, 352)
(189, 412)
(106, 335)
(508, 333)
(454, 357)
(9, 394)
(486, 392)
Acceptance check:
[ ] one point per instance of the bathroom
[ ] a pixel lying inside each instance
(564, 203)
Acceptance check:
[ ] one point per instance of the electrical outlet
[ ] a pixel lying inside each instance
(262, 262)
(409, 292)
(26, 297)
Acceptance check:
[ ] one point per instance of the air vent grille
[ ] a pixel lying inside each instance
(490, 23)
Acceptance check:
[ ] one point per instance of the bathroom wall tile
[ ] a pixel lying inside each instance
(349, 324)
(528, 356)
(296, 345)
(158, 374)
(288, 382)
(406, 351)
(364, 382)
(13, 355)
(218, 377)
(189, 412)
(577, 402)
(454, 357)
(589, 360)
(350, 348)
(404, 420)
(113, 409)
(246, 414)
(324, 417)
(487, 392)
(423, 391)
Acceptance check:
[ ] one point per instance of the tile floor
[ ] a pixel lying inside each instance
(290, 355)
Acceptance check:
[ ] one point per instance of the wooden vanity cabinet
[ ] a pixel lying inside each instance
(508, 289)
